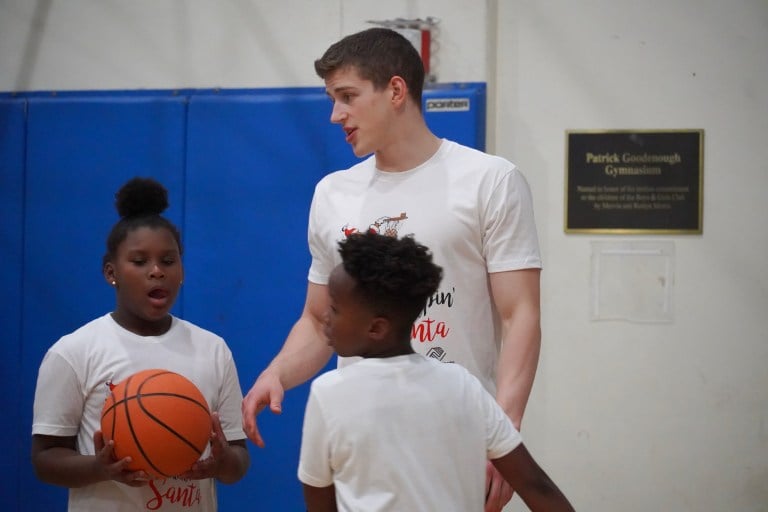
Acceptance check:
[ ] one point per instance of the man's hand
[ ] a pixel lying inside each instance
(267, 390)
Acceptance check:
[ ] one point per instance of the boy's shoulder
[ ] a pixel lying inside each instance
(413, 363)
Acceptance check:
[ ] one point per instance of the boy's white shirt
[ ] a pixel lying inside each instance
(402, 433)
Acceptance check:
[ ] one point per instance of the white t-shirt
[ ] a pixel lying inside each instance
(72, 387)
(404, 433)
(473, 210)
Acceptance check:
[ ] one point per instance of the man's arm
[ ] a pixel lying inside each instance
(516, 295)
(304, 353)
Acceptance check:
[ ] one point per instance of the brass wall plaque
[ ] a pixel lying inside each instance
(634, 181)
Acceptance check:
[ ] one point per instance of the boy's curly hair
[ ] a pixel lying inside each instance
(394, 276)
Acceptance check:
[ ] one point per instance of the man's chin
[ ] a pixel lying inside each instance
(361, 152)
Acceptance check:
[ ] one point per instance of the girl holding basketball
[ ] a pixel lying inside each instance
(143, 265)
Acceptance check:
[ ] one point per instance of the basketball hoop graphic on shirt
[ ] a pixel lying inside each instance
(387, 225)
(381, 226)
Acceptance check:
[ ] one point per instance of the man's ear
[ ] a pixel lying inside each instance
(399, 90)
(379, 328)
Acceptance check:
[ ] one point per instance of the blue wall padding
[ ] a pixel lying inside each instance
(240, 167)
(12, 128)
(466, 125)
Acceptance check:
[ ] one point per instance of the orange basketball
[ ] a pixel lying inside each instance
(158, 418)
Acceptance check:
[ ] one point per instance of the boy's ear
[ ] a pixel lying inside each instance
(379, 328)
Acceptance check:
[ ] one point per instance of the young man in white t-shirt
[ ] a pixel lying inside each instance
(473, 210)
(397, 430)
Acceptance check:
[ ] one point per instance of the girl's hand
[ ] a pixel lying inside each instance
(209, 467)
(115, 470)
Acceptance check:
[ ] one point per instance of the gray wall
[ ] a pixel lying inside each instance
(624, 415)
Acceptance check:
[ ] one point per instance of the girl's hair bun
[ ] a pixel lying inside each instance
(141, 197)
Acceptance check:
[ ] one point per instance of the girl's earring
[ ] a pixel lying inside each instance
(113, 283)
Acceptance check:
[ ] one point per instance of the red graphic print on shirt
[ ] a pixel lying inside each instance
(383, 226)
(184, 493)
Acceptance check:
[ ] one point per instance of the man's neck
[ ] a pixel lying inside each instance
(408, 150)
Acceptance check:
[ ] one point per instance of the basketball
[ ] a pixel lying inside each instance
(158, 418)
